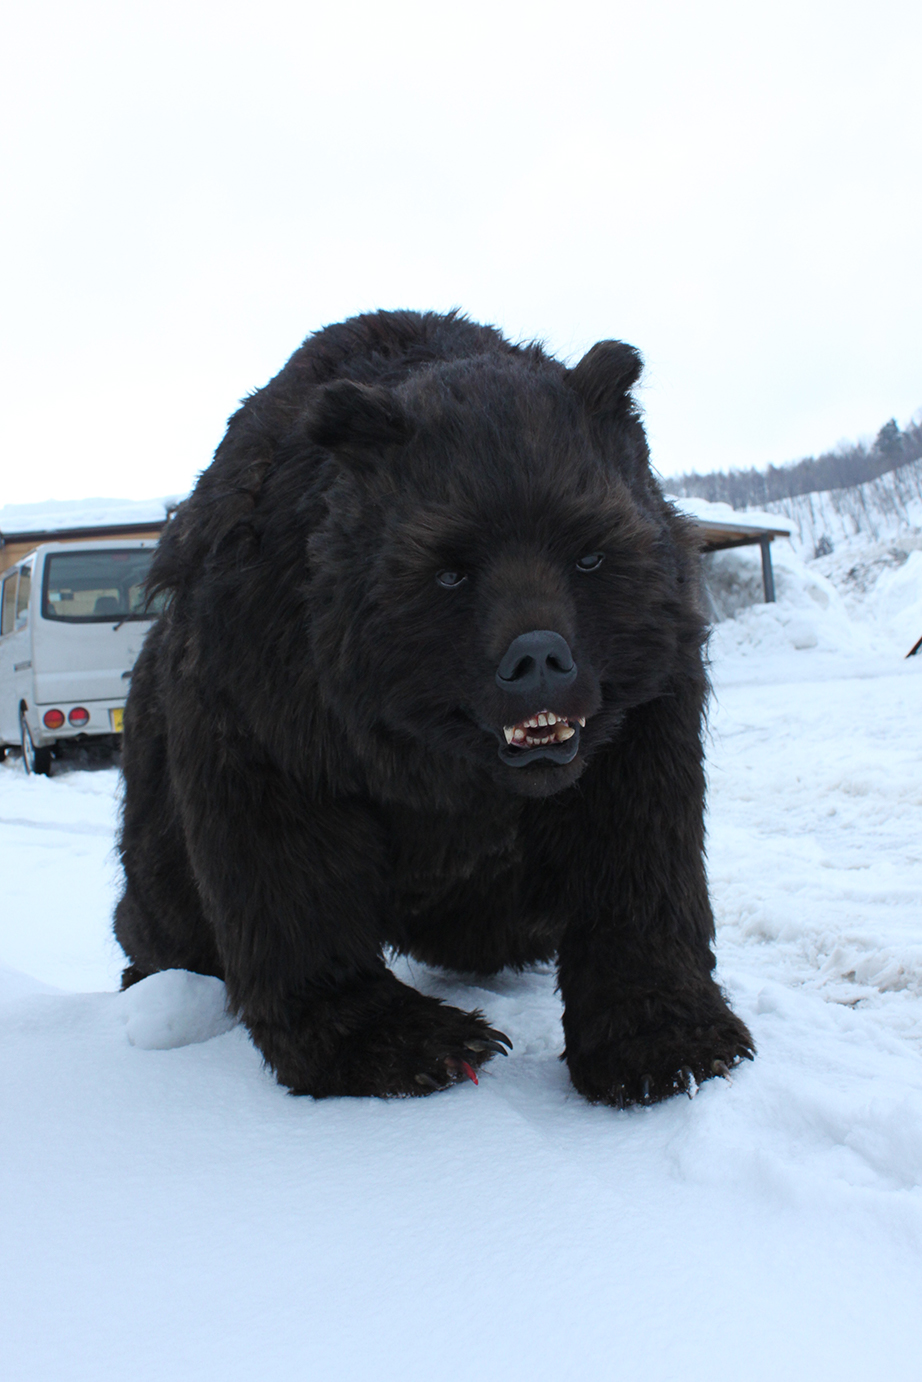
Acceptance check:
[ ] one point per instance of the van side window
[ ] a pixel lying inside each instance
(25, 587)
(8, 615)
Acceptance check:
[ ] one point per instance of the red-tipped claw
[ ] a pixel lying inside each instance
(455, 1064)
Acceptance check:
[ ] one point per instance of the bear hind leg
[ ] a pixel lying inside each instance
(165, 937)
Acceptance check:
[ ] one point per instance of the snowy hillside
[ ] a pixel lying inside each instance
(879, 511)
(166, 1211)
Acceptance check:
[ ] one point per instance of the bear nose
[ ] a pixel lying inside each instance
(540, 660)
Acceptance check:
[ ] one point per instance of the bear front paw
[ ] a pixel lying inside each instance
(647, 1067)
(397, 1043)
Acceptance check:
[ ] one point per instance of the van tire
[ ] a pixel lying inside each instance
(34, 760)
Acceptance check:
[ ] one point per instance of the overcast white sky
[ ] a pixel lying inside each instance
(190, 189)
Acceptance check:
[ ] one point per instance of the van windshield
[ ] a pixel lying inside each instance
(98, 587)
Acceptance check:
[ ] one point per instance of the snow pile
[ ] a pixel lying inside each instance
(174, 1008)
(847, 581)
(809, 612)
(864, 597)
(895, 603)
(868, 544)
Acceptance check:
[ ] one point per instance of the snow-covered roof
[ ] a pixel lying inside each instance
(54, 515)
(721, 515)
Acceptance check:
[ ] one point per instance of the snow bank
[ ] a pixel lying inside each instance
(847, 581)
(809, 612)
(895, 603)
(862, 599)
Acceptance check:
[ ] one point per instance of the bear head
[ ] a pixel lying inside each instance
(496, 579)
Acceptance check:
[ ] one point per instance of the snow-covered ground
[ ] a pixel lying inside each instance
(169, 1212)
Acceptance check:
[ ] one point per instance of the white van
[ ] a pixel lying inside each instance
(72, 621)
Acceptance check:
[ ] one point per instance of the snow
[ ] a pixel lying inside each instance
(167, 1210)
(864, 599)
(708, 511)
(53, 514)
(889, 506)
(173, 1009)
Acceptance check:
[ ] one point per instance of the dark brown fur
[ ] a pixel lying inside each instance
(312, 738)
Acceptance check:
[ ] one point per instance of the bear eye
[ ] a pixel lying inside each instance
(590, 561)
(449, 579)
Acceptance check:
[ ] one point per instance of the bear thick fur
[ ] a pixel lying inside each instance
(429, 678)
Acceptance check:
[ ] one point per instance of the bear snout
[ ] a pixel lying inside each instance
(536, 662)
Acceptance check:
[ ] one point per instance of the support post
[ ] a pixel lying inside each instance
(768, 576)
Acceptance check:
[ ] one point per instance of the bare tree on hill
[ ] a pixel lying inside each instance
(848, 465)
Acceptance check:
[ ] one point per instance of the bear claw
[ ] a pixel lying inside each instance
(427, 1082)
(488, 1045)
(463, 1067)
(719, 1067)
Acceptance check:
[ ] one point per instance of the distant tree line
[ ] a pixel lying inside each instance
(839, 469)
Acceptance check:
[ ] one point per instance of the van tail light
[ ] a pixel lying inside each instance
(78, 716)
(53, 719)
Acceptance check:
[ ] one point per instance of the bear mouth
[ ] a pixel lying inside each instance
(545, 735)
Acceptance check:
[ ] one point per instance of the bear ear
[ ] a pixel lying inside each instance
(605, 376)
(356, 420)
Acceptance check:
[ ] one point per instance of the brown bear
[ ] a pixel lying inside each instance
(429, 678)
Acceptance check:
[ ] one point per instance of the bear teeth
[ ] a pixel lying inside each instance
(559, 726)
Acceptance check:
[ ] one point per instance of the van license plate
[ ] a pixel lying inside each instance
(115, 719)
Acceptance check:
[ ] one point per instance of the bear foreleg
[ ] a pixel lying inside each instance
(293, 889)
(643, 1016)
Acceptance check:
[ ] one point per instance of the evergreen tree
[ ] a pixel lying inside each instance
(889, 442)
